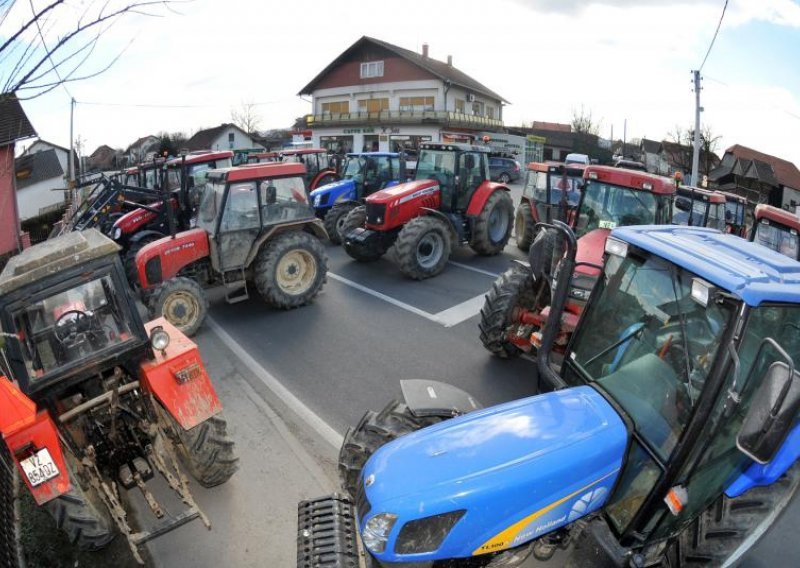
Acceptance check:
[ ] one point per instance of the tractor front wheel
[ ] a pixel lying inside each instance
(182, 302)
(423, 247)
(206, 450)
(523, 226)
(493, 225)
(290, 270)
(335, 221)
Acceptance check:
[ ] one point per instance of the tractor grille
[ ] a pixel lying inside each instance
(8, 547)
(376, 213)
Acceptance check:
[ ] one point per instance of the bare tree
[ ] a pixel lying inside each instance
(45, 45)
(583, 123)
(682, 149)
(246, 117)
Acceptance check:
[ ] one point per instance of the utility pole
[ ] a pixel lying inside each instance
(624, 136)
(697, 110)
(71, 166)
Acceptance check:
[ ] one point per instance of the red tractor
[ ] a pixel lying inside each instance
(736, 217)
(551, 193)
(93, 402)
(319, 170)
(698, 207)
(518, 304)
(777, 229)
(451, 201)
(254, 225)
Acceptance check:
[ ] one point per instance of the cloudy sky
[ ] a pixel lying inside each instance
(618, 59)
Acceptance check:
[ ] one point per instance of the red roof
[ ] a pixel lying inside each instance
(630, 178)
(779, 216)
(266, 170)
(786, 172)
(296, 151)
(201, 157)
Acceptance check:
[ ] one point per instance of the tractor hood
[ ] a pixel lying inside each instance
(517, 470)
(410, 190)
(591, 248)
(328, 193)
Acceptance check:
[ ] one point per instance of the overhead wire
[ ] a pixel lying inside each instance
(713, 39)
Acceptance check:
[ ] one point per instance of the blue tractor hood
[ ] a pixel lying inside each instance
(518, 470)
(330, 192)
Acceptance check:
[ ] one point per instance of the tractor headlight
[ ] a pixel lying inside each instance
(426, 535)
(159, 338)
(616, 247)
(317, 200)
(376, 531)
(117, 233)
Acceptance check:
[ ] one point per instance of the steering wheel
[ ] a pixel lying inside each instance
(65, 331)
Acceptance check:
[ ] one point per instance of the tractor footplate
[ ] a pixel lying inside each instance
(326, 533)
(165, 525)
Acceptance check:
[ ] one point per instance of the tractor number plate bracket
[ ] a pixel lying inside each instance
(40, 467)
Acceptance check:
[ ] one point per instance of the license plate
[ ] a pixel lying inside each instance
(39, 467)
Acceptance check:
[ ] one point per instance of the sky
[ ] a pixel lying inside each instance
(626, 62)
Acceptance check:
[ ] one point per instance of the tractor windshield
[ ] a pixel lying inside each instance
(606, 206)
(437, 164)
(71, 326)
(734, 213)
(353, 167)
(779, 238)
(657, 345)
(211, 194)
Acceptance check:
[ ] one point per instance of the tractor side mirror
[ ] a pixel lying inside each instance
(542, 254)
(772, 413)
(272, 195)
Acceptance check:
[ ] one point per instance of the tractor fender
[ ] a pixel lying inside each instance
(165, 258)
(314, 226)
(337, 192)
(434, 398)
(315, 182)
(481, 195)
(131, 221)
(454, 237)
(177, 377)
(136, 237)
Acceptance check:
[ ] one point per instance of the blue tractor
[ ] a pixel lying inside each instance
(669, 438)
(362, 175)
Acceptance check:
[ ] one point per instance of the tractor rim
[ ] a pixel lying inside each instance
(519, 225)
(498, 225)
(430, 249)
(181, 309)
(340, 222)
(296, 272)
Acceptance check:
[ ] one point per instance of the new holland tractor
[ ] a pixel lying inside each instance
(450, 202)
(777, 229)
(362, 175)
(670, 438)
(517, 305)
(551, 192)
(254, 226)
(698, 207)
(94, 402)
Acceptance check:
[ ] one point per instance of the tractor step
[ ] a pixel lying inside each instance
(326, 533)
(235, 286)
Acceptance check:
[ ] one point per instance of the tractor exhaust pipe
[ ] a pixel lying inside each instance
(559, 300)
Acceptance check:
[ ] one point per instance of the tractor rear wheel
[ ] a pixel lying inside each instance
(206, 450)
(423, 247)
(729, 528)
(373, 431)
(81, 513)
(335, 221)
(523, 226)
(290, 270)
(182, 302)
(515, 288)
(493, 225)
(130, 257)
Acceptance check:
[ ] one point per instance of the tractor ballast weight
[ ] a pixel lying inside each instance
(93, 401)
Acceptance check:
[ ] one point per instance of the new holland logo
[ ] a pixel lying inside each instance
(419, 193)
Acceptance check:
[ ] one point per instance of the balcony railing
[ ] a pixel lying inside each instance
(445, 118)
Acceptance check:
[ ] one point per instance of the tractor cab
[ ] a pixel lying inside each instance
(736, 218)
(459, 168)
(778, 230)
(194, 167)
(263, 157)
(698, 207)
(319, 170)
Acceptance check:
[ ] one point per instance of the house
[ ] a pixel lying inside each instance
(144, 148)
(222, 137)
(679, 159)
(760, 177)
(14, 126)
(60, 152)
(555, 140)
(41, 183)
(653, 157)
(104, 158)
(379, 96)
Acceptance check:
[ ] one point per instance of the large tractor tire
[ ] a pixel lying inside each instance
(207, 451)
(182, 302)
(729, 528)
(516, 287)
(523, 226)
(290, 270)
(493, 226)
(81, 514)
(373, 431)
(357, 218)
(130, 257)
(423, 247)
(335, 220)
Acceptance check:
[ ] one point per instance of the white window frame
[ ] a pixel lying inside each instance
(371, 69)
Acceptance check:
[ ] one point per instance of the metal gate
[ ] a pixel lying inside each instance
(8, 545)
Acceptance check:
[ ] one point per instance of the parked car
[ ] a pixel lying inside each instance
(577, 159)
(504, 170)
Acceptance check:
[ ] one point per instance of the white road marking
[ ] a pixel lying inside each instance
(447, 318)
(473, 269)
(321, 427)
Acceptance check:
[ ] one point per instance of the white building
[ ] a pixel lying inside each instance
(222, 137)
(41, 179)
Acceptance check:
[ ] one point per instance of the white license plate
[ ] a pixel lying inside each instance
(39, 467)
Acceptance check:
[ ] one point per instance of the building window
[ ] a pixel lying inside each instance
(477, 108)
(338, 107)
(372, 69)
(373, 105)
(460, 105)
(416, 103)
(489, 112)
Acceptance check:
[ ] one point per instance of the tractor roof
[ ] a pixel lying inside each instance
(374, 154)
(733, 197)
(296, 151)
(200, 157)
(54, 256)
(247, 172)
(452, 147)
(777, 215)
(630, 178)
(752, 272)
(570, 169)
(700, 194)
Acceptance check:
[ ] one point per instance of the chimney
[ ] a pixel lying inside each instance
(425, 50)
(449, 60)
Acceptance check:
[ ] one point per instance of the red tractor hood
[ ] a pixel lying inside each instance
(591, 248)
(409, 189)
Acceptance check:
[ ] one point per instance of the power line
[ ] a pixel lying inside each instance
(144, 105)
(713, 39)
